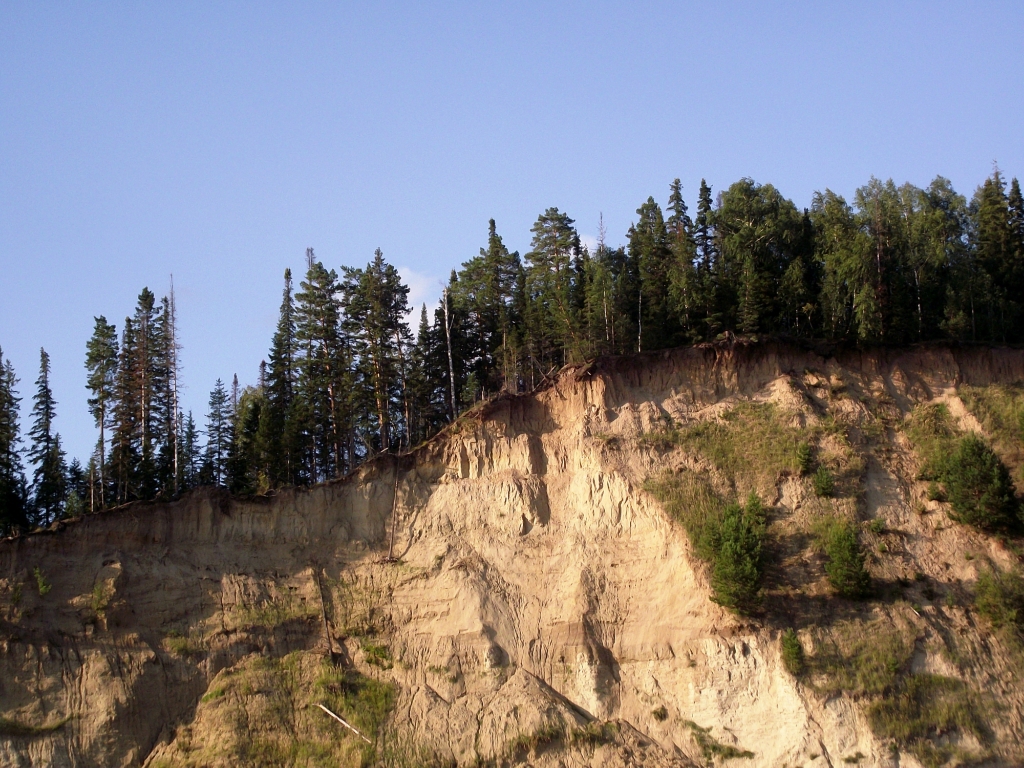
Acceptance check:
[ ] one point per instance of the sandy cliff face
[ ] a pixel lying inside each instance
(544, 609)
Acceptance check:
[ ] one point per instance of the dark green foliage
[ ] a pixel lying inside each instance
(978, 486)
(824, 482)
(345, 380)
(660, 714)
(845, 560)
(792, 653)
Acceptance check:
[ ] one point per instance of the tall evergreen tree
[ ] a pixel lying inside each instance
(101, 363)
(218, 435)
(376, 303)
(48, 480)
(553, 321)
(13, 495)
(324, 381)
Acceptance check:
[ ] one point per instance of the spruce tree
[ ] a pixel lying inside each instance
(13, 495)
(324, 381)
(279, 414)
(101, 363)
(218, 435)
(191, 456)
(48, 480)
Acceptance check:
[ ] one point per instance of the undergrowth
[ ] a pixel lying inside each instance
(912, 711)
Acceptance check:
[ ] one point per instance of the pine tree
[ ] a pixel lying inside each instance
(553, 321)
(48, 480)
(101, 363)
(13, 496)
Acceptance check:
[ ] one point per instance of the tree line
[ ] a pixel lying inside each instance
(346, 379)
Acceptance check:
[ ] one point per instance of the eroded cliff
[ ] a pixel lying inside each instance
(541, 607)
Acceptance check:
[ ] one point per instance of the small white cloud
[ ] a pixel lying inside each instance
(423, 289)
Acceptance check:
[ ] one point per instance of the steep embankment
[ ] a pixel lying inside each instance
(544, 608)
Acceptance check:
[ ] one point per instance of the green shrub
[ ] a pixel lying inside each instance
(978, 486)
(824, 482)
(935, 492)
(804, 457)
(1000, 599)
(736, 574)
(845, 566)
(877, 526)
(660, 714)
(792, 652)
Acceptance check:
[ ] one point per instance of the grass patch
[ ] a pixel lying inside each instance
(824, 482)
(378, 655)
(751, 442)
(933, 432)
(530, 742)
(922, 707)
(213, 693)
(183, 646)
(9, 727)
(861, 659)
(274, 612)
(728, 537)
(99, 599)
(711, 748)
(363, 701)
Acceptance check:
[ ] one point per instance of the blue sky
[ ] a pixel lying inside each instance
(217, 141)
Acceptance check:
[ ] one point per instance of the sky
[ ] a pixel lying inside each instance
(217, 141)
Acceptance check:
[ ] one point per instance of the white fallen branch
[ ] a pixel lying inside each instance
(351, 728)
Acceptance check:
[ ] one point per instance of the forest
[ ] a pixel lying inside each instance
(346, 377)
